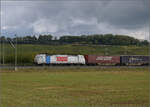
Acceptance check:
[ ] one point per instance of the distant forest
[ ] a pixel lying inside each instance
(97, 39)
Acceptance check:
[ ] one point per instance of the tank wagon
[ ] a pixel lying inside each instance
(46, 59)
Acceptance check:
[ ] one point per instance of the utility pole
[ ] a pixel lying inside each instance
(0, 49)
(15, 47)
(16, 54)
(3, 51)
(0, 39)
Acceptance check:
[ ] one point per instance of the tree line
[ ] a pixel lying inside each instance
(96, 39)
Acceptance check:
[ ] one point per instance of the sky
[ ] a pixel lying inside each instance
(75, 17)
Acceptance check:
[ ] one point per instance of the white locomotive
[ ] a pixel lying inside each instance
(59, 59)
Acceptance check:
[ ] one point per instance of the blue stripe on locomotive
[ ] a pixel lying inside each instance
(48, 59)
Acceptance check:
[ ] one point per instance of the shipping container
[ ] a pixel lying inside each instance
(95, 59)
(135, 60)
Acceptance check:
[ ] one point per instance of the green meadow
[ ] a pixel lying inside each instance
(75, 87)
(26, 52)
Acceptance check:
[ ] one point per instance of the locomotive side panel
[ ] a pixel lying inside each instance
(48, 59)
(59, 59)
(67, 59)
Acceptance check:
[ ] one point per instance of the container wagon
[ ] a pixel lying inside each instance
(135, 60)
(102, 60)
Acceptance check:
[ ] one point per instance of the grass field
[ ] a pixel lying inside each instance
(75, 87)
(26, 53)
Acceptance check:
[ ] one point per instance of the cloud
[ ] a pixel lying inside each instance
(79, 21)
(127, 14)
(140, 34)
(4, 27)
(76, 17)
(44, 25)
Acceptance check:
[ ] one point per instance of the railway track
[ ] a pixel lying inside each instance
(74, 66)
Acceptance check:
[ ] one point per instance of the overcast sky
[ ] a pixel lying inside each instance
(76, 17)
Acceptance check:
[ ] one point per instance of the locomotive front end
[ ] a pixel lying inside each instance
(40, 59)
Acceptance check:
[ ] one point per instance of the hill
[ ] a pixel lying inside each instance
(27, 52)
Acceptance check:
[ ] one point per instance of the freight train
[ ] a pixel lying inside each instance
(45, 59)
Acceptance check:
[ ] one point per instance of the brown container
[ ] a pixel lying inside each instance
(95, 59)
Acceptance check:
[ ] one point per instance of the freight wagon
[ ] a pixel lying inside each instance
(135, 60)
(59, 59)
(102, 60)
